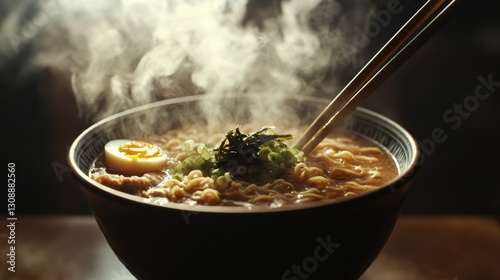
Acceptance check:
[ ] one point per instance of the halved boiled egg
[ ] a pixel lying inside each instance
(134, 157)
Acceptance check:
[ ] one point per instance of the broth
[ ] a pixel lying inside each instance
(342, 165)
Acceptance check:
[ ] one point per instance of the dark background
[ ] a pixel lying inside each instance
(459, 175)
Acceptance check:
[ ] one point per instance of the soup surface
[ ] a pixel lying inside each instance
(342, 165)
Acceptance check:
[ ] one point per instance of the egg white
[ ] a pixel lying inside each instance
(122, 163)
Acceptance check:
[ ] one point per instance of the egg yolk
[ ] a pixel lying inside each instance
(140, 150)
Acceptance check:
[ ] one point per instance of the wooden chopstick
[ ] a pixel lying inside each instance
(397, 50)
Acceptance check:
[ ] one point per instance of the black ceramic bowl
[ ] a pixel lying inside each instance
(336, 239)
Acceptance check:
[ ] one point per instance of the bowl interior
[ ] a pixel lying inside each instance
(161, 116)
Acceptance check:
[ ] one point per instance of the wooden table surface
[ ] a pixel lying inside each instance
(421, 247)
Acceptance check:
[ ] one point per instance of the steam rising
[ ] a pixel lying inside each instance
(126, 53)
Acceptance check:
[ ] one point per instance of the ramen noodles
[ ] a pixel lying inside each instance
(198, 167)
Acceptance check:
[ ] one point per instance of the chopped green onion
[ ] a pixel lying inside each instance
(178, 177)
(256, 157)
(288, 158)
(264, 153)
(274, 157)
